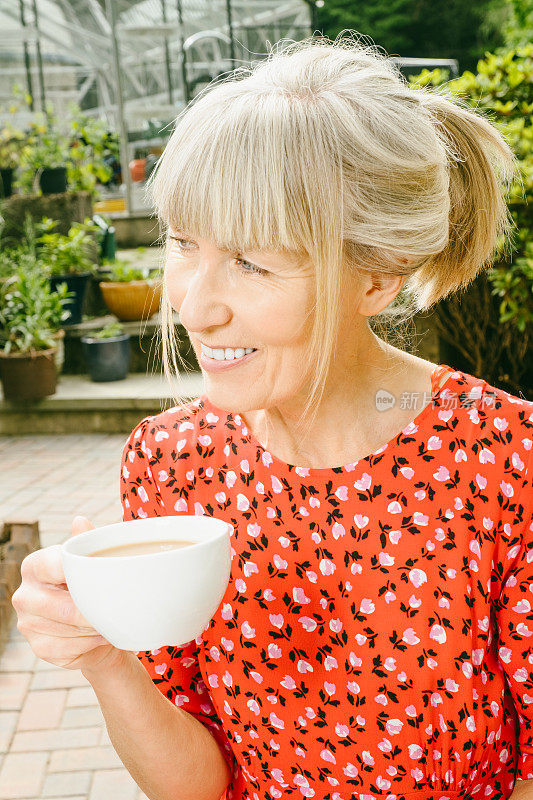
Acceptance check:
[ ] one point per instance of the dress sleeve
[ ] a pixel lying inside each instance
(176, 673)
(514, 610)
(174, 670)
(140, 493)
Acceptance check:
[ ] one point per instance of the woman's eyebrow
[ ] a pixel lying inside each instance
(176, 231)
(282, 259)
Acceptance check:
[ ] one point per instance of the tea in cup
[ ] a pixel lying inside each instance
(149, 583)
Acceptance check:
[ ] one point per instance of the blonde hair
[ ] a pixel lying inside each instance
(324, 151)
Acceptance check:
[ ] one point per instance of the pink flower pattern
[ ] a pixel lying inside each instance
(375, 638)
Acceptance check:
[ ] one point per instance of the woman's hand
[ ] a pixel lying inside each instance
(47, 617)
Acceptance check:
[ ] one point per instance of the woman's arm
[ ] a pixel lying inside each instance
(168, 752)
(523, 790)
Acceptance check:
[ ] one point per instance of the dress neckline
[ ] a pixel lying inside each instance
(436, 375)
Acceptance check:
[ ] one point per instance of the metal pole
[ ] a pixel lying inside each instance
(167, 54)
(26, 58)
(124, 154)
(39, 57)
(183, 54)
(314, 14)
(231, 38)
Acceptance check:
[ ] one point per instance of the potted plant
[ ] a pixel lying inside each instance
(8, 257)
(93, 149)
(107, 353)
(131, 293)
(11, 142)
(30, 318)
(15, 250)
(69, 259)
(24, 257)
(45, 156)
(50, 156)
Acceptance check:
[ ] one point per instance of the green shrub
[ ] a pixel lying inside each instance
(30, 312)
(123, 271)
(70, 254)
(502, 86)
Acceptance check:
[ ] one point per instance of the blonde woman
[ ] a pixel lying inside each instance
(375, 636)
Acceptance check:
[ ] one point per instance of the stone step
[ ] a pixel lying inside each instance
(84, 406)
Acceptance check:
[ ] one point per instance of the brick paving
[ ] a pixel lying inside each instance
(53, 738)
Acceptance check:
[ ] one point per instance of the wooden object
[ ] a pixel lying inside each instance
(17, 540)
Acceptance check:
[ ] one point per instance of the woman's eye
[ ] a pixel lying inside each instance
(245, 266)
(179, 241)
(253, 269)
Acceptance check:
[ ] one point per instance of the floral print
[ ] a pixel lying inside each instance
(375, 638)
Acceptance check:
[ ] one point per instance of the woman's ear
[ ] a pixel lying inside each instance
(378, 292)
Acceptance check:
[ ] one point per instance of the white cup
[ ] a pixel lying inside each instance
(143, 602)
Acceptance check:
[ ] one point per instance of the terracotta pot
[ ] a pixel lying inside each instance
(133, 300)
(137, 169)
(28, 376)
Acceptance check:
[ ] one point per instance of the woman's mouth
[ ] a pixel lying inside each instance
(219, 359)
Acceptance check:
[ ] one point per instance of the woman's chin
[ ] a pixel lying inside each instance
(228, 399)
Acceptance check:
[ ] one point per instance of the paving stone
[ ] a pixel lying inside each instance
(48, 539)
(13, 689)
(17, 656)
(54, 743)
(58, 678)
(91, 758)
(82, 697)
(42, 709)
(8, 723)
(113, 783)
(59, 784)
(83, 717)
(104, 737)
(42, 665)
(14, 634)
(22, 775)
(56, 739)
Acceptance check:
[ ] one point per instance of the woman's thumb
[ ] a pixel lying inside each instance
(81, 524)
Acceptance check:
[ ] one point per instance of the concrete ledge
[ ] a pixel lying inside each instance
(135, 229)
(84, 406)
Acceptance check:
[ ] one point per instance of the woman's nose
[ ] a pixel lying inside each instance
(204, 304)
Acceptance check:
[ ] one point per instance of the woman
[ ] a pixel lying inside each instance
(374, 638)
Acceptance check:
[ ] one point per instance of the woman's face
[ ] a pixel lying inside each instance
(259, 300)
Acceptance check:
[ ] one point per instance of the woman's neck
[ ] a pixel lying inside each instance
(349, 423)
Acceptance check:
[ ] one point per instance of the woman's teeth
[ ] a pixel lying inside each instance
(227, 353)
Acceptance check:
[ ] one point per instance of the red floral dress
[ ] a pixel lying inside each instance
(375, 638)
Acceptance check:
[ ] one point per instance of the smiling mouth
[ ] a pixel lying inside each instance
(226, 353)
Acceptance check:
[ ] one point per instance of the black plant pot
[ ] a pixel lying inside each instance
(107, 359)
(53, 180)
(6, 181)
(75, 283)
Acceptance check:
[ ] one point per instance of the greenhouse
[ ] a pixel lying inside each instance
(133, 65)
